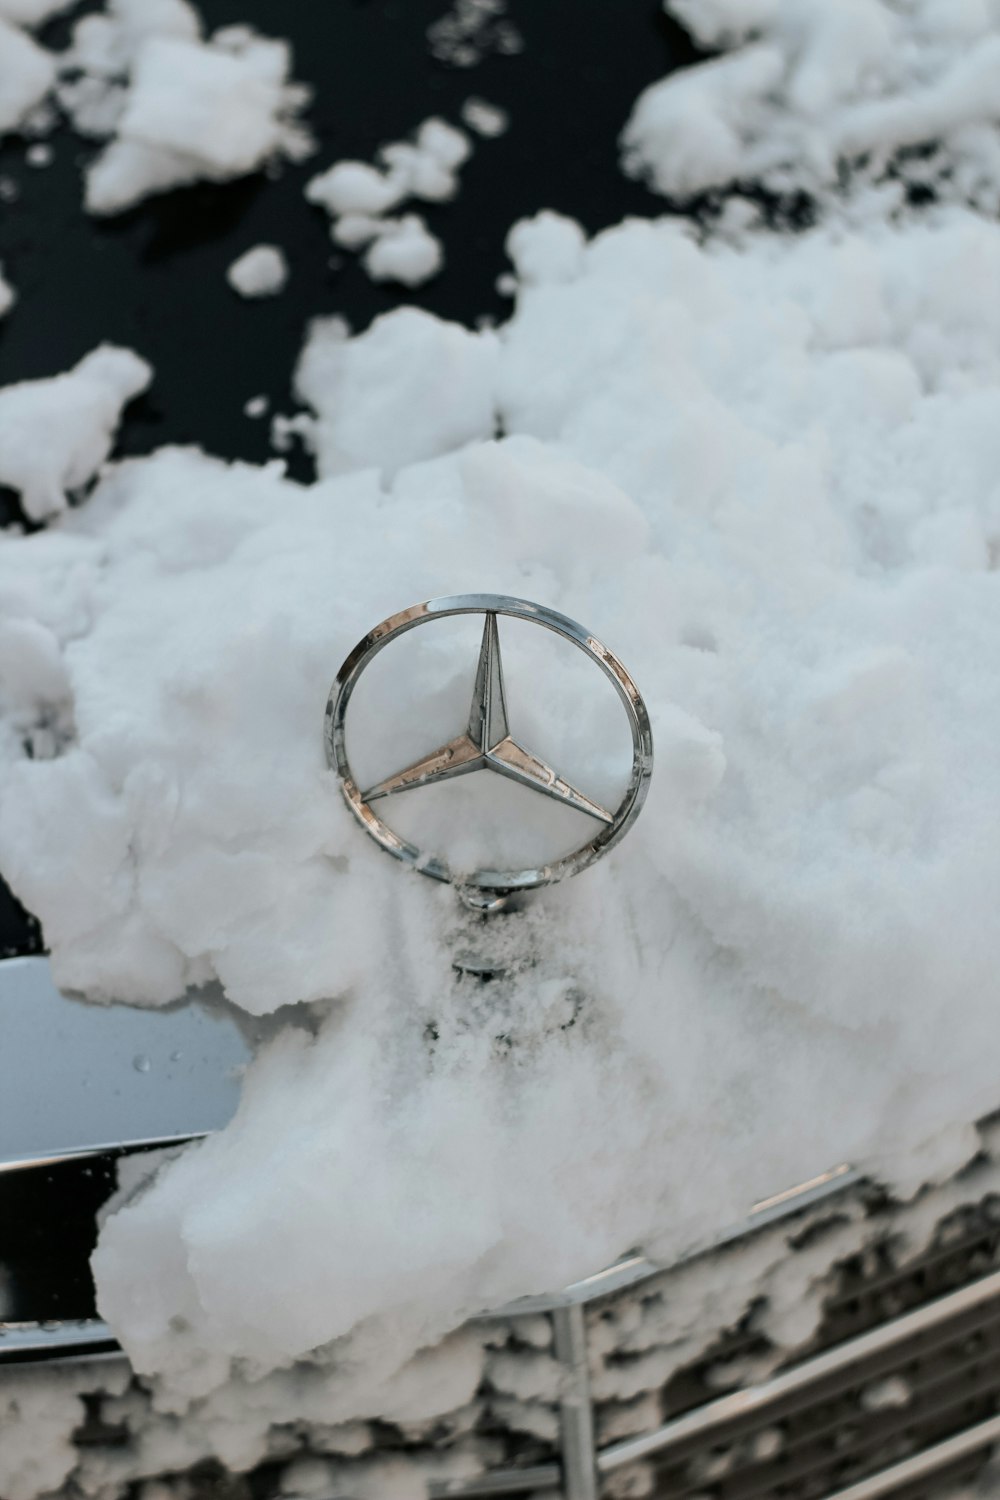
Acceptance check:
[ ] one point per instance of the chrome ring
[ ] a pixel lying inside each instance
(487, 886)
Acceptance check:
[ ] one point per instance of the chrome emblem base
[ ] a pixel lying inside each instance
(487, 744)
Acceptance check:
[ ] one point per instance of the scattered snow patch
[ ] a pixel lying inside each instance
(357, 195)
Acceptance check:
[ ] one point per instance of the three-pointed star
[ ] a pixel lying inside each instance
(487, 745)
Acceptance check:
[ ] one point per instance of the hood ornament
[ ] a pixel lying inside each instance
(487, 744)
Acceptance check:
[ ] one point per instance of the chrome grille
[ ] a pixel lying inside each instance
(890, 1386)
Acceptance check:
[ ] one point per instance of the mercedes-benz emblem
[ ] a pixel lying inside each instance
(487, 744)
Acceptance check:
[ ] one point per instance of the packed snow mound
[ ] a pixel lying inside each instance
(765, 477)
(411, 387)
(56, 433)
(802, 90)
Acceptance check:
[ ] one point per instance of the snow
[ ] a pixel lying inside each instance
(744, 444)
(485, 119)
(425, 167)
(404, 250)
(449, 147)
(8, 295)
(27, 73)
(179, 109)
(435, 1399)
(110, 40)
(374, 402)
(354, 231)
(471, 30)
(549, 247)
(39, 1411)
(358, 195)
(32, 12)
(55, 434)
(442, 1405)
(802, 90)
(261, 271)
(354, 187)
(763, 469)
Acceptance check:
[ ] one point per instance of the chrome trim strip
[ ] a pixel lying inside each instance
(636, 1268)
(757, 1398)
(576, 1409)
(62, 1340)
(626, 1273)
(921, 1465)
(110, 1148)
(499, 1482)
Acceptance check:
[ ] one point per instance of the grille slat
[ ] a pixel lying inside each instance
(829, 1419)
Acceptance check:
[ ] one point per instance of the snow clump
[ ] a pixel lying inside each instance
(802, 90)
(27, 73)
(179, 108)
(359, 195)
(484, 118)
(404, 250)
(55, 434)
(8, 295)
(261, 271)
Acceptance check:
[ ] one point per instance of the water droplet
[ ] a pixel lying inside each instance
(176, 1056)
(141, 1063)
